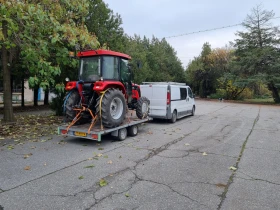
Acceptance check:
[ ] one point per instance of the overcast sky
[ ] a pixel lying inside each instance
(164, 18)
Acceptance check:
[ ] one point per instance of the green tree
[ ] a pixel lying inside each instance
(106, 25)
(258, 52)
(43, 31)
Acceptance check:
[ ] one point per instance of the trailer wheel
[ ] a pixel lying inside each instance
(142, 107)
(173, 117)
(122, 134)
(72, 99)
(113, 108)
(132, 130)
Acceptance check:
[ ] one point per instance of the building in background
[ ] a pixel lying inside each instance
(28, 93)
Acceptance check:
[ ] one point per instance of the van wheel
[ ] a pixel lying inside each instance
(193, 111)
(174, 117)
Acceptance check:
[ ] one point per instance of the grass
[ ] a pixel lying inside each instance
(260, 100)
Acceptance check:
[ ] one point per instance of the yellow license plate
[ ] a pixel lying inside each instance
(77, 133)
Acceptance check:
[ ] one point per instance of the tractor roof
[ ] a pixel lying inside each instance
(90, 53)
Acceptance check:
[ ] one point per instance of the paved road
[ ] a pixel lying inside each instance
(167, 166)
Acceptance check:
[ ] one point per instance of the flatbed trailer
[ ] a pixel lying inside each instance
(128, 128)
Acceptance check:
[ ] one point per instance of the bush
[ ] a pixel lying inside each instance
(247, 93)
(221, 93)
(57, 103)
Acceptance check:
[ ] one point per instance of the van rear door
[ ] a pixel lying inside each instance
(157, 94)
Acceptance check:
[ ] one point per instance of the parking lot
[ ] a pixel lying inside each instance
(225, 157)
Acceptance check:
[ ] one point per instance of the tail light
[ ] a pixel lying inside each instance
(70, 85)
(168, 98)
(64, 132)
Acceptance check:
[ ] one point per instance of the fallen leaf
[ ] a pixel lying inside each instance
(221, 185)
(100, 148)
(27, 155)
(43, 140)
(120, 157)
(127, 195)
(32, 147)
(110, 162)
(10, 147)
(81, 177)
(27, 168)
(45, 164)
(90, 166)
(99, 155)
(204, 153)
(233, 168)
(90, 158)
(102, 182)
(187, 144)
(105, 156)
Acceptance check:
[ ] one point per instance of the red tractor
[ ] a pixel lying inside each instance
(104, 90)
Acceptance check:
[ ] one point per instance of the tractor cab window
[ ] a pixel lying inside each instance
(90, 69)
(110, 68)
(125, 72)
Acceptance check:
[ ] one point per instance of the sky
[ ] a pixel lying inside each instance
(165, 18)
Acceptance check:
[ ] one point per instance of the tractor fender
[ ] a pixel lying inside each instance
(100, 86)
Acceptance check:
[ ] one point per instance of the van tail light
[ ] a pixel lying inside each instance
(168, 98)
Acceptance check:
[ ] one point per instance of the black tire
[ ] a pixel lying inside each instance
(71, 100)
(113, 108)
(173, 117)
(132, 130)
(122, 134)
(142, 108)
(193, 111)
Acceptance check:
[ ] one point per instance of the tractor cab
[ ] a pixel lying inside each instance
(104, 65)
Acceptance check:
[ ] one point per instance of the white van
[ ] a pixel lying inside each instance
(169, 100)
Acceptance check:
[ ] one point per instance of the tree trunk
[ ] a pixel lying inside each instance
(275, 93)
(8, 107)
(36, 90)
(22, 92)
(46, 97)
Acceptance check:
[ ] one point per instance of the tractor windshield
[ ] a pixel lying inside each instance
(90, 68)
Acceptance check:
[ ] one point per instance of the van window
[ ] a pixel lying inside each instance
(183, 92)
(190, 93)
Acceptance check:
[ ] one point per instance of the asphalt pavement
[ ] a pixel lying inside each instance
(225, 157)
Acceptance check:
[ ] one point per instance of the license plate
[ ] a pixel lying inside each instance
(77, 133)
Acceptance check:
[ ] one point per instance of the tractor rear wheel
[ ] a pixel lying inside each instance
(111, 107)
(72, 99)
(142, 108)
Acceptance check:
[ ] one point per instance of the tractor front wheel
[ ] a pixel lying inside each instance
(142, 108)
(112, 108)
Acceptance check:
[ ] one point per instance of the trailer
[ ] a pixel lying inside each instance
(128, 128)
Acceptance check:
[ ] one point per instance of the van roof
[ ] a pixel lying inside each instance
(164, 83)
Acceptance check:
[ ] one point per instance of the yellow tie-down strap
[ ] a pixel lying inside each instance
(100, 106)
